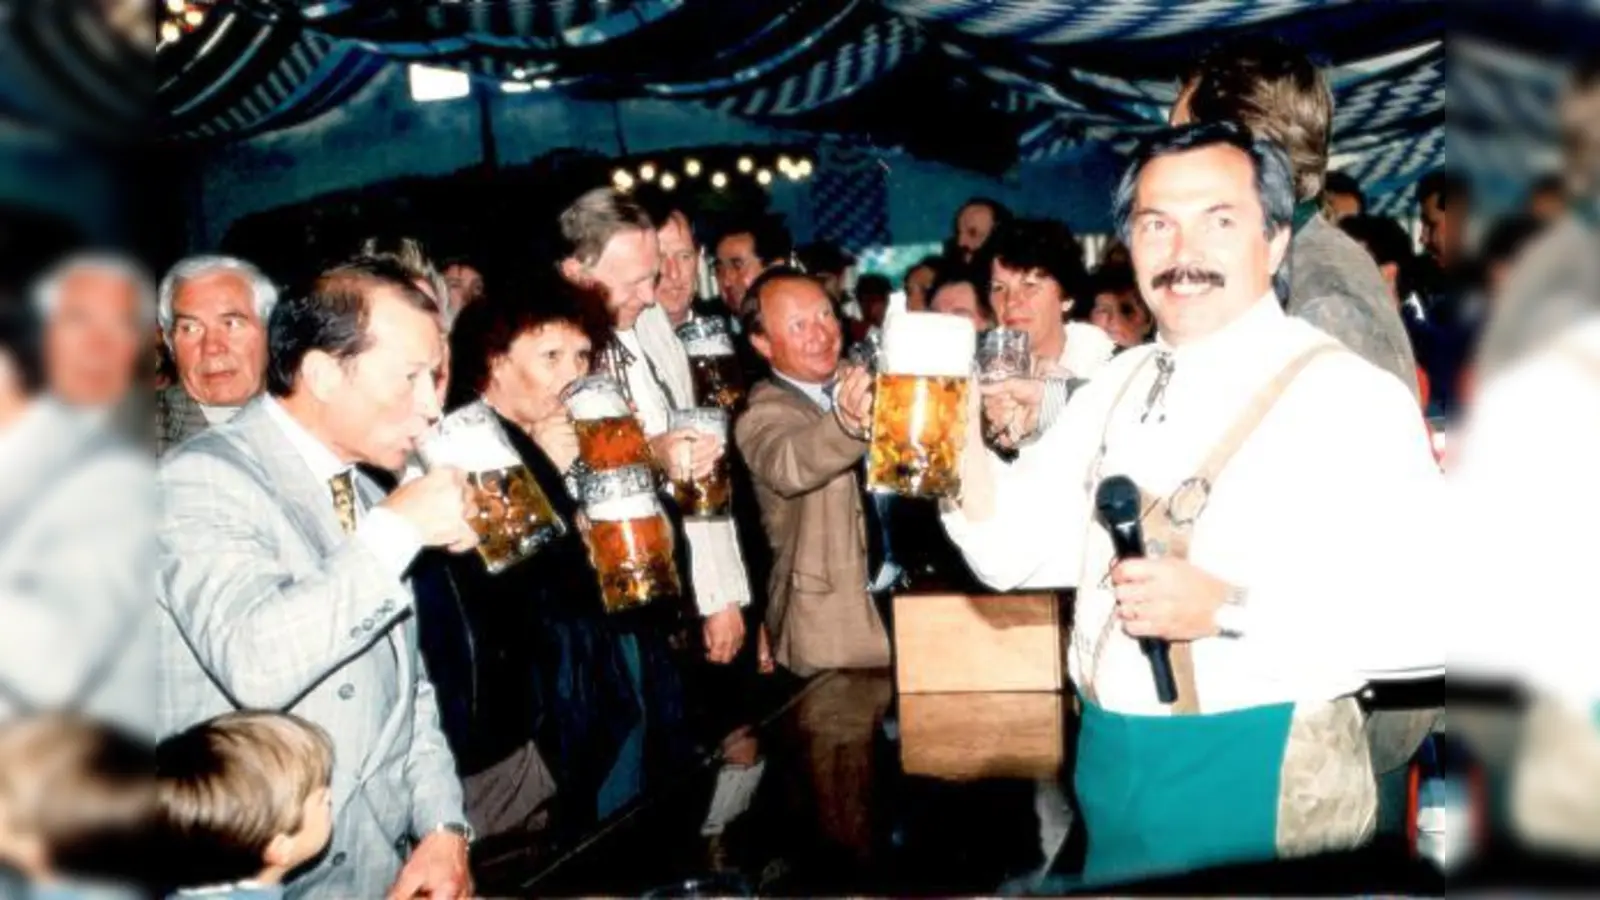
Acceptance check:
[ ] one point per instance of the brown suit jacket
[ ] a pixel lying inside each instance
(803, 465)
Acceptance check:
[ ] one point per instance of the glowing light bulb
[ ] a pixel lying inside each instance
(668, 181)
(719, 181)
(764, 177)
(785, 164)
(746, 164)
(170, 32)
(176, 7)
(691, 167)
(804, 168)
(622, 178)
(647, 172)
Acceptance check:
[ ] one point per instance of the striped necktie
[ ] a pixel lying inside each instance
(343, 486)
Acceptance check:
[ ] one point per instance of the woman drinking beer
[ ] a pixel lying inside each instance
(527, 662)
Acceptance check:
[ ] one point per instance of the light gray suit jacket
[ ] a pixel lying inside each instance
(77, 532)
(270, 606)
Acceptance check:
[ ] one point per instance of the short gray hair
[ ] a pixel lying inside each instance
(595, 218)
(47, 290)
(261, 287)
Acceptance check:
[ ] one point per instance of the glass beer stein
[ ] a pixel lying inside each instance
(919, 410)
(609, 435)
(712, 362)
(514, 516)
(629, 539)
(710, 497)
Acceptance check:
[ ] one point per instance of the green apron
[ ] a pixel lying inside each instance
(1166, 794)
(1160, 795)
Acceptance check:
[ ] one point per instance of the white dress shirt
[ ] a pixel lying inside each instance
(391, 538)
(1520, 528)
(718, 571)
(1313, 516)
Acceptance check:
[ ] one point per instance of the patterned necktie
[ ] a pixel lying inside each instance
(343, 486)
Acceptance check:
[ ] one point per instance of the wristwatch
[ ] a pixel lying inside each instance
(1232, 614)
(459, 829)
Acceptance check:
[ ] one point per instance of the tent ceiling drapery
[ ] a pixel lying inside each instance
(1044, 77)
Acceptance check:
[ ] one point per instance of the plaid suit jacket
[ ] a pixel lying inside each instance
(268, 606)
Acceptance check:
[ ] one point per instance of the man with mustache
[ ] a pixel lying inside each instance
(213, 312)
(1280, 476)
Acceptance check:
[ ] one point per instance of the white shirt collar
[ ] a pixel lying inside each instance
(323, 463)
(817, 392)
(217, 415)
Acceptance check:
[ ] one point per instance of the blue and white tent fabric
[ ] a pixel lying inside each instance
(1063, 73)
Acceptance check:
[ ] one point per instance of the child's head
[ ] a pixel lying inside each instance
(75, 800)
(245, 795)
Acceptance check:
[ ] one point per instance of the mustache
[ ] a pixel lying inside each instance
(1188, 275)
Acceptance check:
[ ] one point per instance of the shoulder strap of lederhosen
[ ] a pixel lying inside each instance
(1169, 521)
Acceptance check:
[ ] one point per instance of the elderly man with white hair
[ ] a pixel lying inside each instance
(97, 311)
(213, 313)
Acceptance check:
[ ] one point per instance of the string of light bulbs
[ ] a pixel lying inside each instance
(180, 17)
(794, 168)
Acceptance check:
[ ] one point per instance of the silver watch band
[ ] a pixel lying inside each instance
(459, 829)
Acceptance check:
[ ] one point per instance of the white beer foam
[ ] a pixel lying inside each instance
(715, 345)
(622, 509)
(597, 404)
(473, 449)
(929, 343)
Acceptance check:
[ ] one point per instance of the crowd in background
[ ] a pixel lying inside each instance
(515, 704)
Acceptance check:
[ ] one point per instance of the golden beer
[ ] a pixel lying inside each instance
(919, 430)
(710, 496)
(609, 435)
(634, 561)
(605, 444)
(514, 516)
(717, 381)
(630, 539)
(713, 365)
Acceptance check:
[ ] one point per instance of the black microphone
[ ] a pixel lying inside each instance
(1117, 499)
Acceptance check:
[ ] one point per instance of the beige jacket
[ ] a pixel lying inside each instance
(803, 465)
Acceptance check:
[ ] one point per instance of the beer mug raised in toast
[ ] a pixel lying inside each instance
(514, 516)
(630, 538)
(710, 497)
(712, 362)
(609, 435)
(919, 408)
